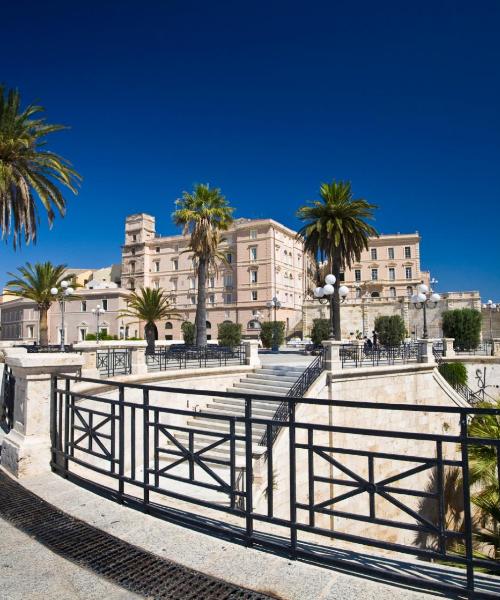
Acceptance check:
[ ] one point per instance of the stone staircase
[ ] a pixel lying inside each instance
(268, 381)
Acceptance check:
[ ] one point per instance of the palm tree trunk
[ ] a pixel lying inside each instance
(149, 330)
(44, 328)
(201, 306)
(336, 297)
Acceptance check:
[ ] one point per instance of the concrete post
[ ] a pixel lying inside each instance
(426, 353)
(495, 347)
(138, 360)
(448, 349)
(89, 368)
(252, 353)
(26, 448)
(332, 355)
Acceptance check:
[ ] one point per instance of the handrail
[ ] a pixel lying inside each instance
(298, 389)
(462, 389)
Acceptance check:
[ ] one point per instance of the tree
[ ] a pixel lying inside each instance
(34, 282)
(150, 305)
(320, 331)
(464, 325)
(272, 333)
(391, 330)
(203, 214)
(229, 334)
(28, 170)
(336, 228)
(188, 332)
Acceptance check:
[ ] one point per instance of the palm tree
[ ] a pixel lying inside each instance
(34, 282)
(27, 169)
(150, 305)
(203, 214)
(336, 228)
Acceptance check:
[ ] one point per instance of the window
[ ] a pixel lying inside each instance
(133, 251)
(208, 325)
(105, 304)
(253, 253)
(409, 291)
(253, 276)
(253, 324)
(390, 253)
(156, 284)
(132, 267)
(192, 299)
(253, 234)
(392, 273)
(134, 238)
(357, 274)
(392, 292)
(358, 292)
(374, 253)
(211, 299)
(173, 283)
(84, 306)
(342, 276)
(229, 257)
(228, 280)
(157, 249)
(254, 295)
(157, 266)
(31, 331)
(407, 252)
(374, 274)
(168, 325)
(175, 264)
(375, 295)
(82, 334)
(408, 272)
(211, 282)
(192, 283)
(228, 298)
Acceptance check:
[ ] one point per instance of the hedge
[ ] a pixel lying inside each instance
(320, 331)
(455, 373)
(188, 333)
(270, 330)
(229, 334)
(463, 324)
(391, 331)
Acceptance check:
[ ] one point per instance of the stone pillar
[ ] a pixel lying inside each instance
(332, 355)
(426, 353)
(26, 448)
(252, 353)
(448, 349)
(138, 360)
(495, 347)
(89, 368)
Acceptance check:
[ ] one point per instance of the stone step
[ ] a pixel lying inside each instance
(254, 393)
(267, 405)
(238, 411)
(213, 425)
(264, 388)
(287, 371)
(270, 377)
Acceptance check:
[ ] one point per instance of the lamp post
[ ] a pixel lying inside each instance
(274, 303)
(490, 306)
(97, 311)
(325, 294)
(61, 294)
(421, 300)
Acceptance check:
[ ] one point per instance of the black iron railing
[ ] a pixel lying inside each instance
(354, 355)
(114, 361)
(381, 483)
(36, 348)
(469, 395)
(484, 348)
(186, 357)
(7, 395)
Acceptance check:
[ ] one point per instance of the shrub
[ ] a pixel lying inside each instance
(463, 324)
(391, 331)
(320, 331)
(103, 337)
(229, 334)
(188, 333)
(455, 373)
(272, 331)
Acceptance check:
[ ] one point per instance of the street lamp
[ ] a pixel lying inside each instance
(274, 303)
(97, 311)
(61, 294)
(325, 294)
(421, 300)
(490, 306)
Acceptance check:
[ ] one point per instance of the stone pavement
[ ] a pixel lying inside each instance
(29, 570)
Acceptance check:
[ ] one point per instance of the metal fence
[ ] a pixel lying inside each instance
(36, 348)
(179, 356)
(152, 454)
(354, 355)
(114, 361)
(7, 394)
(485, 348)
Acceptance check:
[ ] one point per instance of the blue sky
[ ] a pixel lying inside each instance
(266, 100)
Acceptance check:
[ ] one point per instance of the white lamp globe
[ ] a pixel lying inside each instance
(69, 290)
(328, 289)
(423, 289)
(54, 291)
(414, 299)
(421, 297)
(435, 297)
(493, 306)
(343, 291)
(485, 306)
(64, 284)
(490, 302)
(318, 292)
(330, 279)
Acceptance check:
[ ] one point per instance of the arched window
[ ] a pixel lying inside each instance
(375, 295)
(208, 325)
(253, 324)
(392, 292)
(168, 325)
(227, 321)
(409, 291)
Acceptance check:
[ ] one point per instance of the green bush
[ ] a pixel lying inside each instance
(455, 373)
(463, 324)
(270, 331)
(103, 337)
(188, 333)
(391, 331)
(229, 334)
(320, 331)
